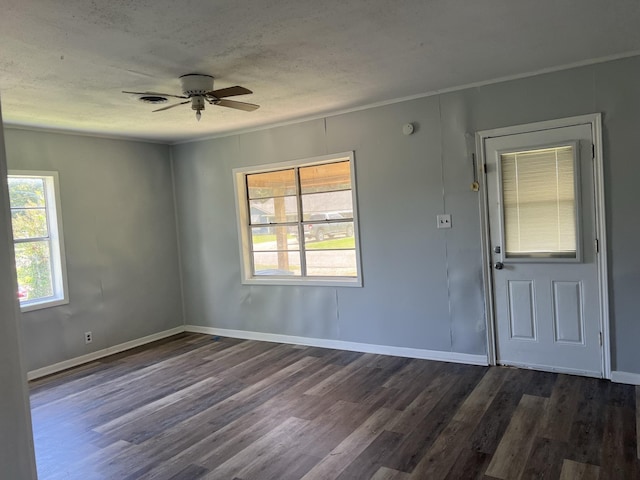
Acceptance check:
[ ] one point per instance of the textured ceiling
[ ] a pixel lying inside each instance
(64, 63)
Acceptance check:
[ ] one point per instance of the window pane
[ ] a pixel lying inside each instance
(331, 263)
(329, 235)
(271, 184)
(26, 192)
(33, 265)
(326, 203)
(300, 208)
(276, 263)
(539, 202)
(29, 223)
(273, 210)
(274, 238)
(325, 178)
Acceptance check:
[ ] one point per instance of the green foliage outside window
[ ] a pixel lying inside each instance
(28, 203)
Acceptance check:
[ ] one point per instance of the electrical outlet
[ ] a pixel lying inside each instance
(88, 337)
(444, 221)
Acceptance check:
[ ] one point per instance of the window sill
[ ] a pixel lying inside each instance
(42, 304)
(305, 282)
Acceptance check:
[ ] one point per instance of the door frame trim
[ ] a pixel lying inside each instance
(595, 122)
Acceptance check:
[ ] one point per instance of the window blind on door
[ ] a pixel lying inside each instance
(539, 202)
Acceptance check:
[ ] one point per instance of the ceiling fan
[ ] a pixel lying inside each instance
(197, 90)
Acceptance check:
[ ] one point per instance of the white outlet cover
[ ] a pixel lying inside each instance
(444, 221)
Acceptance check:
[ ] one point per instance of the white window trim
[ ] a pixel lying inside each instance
(242, 216)
(58, 258)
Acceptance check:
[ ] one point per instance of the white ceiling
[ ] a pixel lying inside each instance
(64, 63)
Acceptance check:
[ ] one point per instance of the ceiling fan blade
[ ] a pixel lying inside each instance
(155, 94)
(247, 107)
(171, 106)
(229, 92)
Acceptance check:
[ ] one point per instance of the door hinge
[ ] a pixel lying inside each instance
(484, 167)
(597, 246)
(600, 336)
(593, 151)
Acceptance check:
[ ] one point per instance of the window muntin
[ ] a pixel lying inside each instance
(38, 240)
(540, 207)
(297, 222)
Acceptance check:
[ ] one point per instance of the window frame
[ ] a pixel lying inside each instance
(244, 225)
(58, 262)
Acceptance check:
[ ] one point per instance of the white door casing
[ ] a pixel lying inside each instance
(546, 311)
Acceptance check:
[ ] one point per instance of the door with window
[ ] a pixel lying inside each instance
(541, 202)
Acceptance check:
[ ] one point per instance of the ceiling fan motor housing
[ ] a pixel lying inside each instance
(196, 84)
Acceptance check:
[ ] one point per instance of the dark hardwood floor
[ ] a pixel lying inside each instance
(195, 406)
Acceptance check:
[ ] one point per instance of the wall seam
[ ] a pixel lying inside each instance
(178, 245)
(447, 232)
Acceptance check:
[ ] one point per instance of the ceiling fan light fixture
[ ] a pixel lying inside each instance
(197, 102)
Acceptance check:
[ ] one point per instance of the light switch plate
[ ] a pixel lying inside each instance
(444, 220)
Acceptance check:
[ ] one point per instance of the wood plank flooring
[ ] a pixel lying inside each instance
(200, 407)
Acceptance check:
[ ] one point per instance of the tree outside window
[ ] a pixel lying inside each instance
(37, 239)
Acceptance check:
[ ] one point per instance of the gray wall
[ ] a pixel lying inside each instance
(422, 286)
(120, 238)
(617, 93)
(16, 443)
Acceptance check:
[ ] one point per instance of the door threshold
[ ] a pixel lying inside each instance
(552, 369)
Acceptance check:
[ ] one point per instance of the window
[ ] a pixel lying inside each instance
(540, 209)
(298, 222)
(38, 240)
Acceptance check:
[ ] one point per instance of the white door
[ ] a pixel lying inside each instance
(540, 189)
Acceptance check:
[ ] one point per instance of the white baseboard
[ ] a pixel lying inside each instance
(616, 376)
(90, 357)
(342, 345)
(625, 377)
(265, 337)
